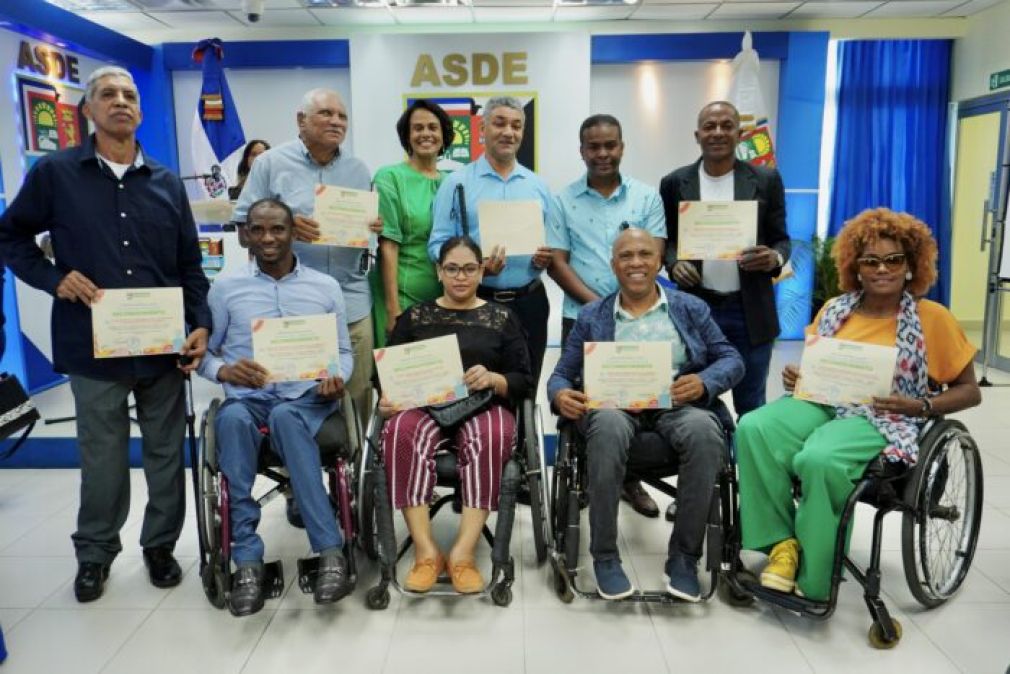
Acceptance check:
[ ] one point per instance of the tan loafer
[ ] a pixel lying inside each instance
(424, 574)
(466, 579)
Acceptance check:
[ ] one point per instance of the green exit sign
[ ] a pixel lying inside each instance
(999, 80)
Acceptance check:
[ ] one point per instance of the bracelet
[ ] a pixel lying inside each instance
(927, 407)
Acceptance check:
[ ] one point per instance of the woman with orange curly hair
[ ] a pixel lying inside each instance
(886, 262)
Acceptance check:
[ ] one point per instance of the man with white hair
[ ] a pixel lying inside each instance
(290, 173)
(513, 280)
(117, 219)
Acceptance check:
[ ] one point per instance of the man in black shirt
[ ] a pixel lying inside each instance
(117, 219)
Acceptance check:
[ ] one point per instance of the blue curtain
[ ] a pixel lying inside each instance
(890, 142)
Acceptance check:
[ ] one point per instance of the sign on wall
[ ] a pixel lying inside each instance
(462, 72)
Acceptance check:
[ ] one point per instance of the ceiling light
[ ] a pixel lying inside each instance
(92, 5)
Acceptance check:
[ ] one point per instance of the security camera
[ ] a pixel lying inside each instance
(253, 9)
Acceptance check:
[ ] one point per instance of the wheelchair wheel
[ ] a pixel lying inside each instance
(501, 594)
(561, 587)
(940, 531)
(208, 516)
(536, 478)
(214, 584)
(366, 493)
(377, 598)
(730, 596)
(559, 493)
(879, 641)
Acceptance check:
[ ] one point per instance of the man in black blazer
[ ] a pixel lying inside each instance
(739, 292)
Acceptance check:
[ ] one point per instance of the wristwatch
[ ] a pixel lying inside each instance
(927, 407)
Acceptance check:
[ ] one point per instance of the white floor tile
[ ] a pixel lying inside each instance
(995, 565)
(25, 582)
(128, 587)
(69, 640)
(9, 617)
(323, 642)
(190, 641)
(973, 636)
(601, 641)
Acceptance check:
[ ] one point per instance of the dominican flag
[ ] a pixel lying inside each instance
(217, 138)
(755, 144)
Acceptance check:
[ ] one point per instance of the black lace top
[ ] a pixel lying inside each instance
(489, 335)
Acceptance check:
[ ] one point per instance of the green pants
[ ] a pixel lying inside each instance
(793, 438)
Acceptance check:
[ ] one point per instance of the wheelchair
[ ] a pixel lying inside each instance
(650, 461)
(340, 448)
(940, 499)
(523, 479)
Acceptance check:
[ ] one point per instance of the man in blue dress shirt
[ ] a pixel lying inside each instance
(276, 284)
(117, 219)
(590, 214)
(497, 176)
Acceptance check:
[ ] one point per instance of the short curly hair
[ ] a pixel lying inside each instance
(873, 224)
(403, 124)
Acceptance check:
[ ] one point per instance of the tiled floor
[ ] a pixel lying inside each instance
(136, 628)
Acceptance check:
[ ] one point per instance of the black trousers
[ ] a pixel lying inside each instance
(532, 308)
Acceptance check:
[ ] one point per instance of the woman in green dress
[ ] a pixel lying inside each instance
(405, 275)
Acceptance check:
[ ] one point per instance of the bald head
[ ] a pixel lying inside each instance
(630, 238)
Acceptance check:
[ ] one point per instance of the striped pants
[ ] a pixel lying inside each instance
(482, 444)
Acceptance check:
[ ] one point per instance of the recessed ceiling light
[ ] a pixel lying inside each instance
(92, 5)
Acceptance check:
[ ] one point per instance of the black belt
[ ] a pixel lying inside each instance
(714, 297)
(509, 294)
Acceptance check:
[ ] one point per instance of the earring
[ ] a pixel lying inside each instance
(908, 276)
(859, 277)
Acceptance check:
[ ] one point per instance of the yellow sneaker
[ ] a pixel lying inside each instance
(466, 579)
(424, 574)
(780, 574)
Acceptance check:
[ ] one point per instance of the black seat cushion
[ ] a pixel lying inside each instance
(331, 439)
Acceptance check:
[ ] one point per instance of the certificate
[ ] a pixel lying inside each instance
(343, 215)
(840, 372)
(628, 375)
(137, 322)
(428, 372)
(715, 230)
(212, 210)
(516, 225)
(297, 348)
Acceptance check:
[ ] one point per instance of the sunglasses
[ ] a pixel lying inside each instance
(892, 262)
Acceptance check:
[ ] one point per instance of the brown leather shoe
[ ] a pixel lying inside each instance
(424, 574)
(466, 579)
(635, 494)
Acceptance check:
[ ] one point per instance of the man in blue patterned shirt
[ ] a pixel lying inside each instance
(705, 365)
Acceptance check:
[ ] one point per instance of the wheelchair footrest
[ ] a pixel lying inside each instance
(273, 579)
(789, 601)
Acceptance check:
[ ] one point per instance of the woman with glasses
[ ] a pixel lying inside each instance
(886, 261)
(404, 275)
(494, 354)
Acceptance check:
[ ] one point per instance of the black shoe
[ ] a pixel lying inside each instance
(90, 581)
(635, 494)
(247, 591)
(293, 513)
(162, 567)
(333, 582)
(671, 511)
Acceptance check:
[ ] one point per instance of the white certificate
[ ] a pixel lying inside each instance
(428, 372)
(715, 230)
(137, 322)
(297, 348)
(840, 372)
(343, 215)
(628, 375)
(516, 225)
(212, 210)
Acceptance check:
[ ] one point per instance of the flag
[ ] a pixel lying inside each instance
(217, 139)
(755, 145)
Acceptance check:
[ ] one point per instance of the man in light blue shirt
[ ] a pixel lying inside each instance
(590, 214)
(276, 284)
(290, 172)
(513, 280)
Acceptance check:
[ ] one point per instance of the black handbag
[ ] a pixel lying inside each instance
(17, 412)
(452, 414)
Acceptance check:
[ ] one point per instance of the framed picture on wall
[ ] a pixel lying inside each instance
(51, 117)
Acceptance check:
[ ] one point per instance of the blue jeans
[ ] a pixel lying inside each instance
(749, 394)
(293, 425)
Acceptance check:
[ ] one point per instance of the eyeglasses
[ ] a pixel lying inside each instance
(892, 262)
(453, 270)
